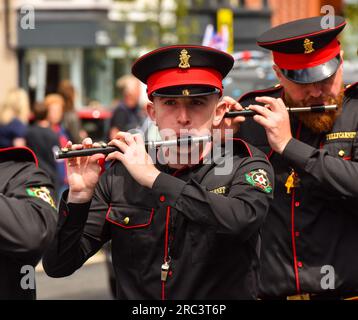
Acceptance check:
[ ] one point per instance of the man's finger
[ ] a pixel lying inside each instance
(138, 138)
(228, 100)
(115, 156)
(238, 119)
(94, 158)
(72, 162)
(125, 136)
(281, 103)
(119, 144)
(87, 142)
(264, 122)
(263, 111)
(272, 102)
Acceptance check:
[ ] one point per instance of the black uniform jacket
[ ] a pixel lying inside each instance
(310, 238)
(205, 223)
(27, 221)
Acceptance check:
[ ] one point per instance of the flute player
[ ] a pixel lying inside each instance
(310, 238)
(178, 231)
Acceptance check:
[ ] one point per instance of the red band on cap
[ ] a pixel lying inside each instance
(307, 60)
(177, 77)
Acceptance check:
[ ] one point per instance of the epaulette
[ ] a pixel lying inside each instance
(350, 88)
(258, 93)
(21, 154)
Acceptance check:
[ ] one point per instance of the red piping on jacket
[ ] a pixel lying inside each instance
(166, 246)
(294, 242)
(22, 148)
(294, 252)
(275, 88)
(352, 85)
(269, 154)
(245, 144)
(129, 227)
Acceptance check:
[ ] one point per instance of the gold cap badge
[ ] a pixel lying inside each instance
(307, 44)
(184, 59)
(185, 92)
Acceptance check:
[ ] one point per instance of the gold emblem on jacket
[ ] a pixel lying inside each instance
(220, 190)
(341, 135)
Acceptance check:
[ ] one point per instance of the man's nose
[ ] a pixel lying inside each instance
(315, 90)
(183, 115)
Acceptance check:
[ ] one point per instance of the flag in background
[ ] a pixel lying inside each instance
(217, 40)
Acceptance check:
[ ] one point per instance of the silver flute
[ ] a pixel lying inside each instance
(106, 149)
(251, 113)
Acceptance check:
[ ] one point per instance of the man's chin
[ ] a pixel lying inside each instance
(318, 122)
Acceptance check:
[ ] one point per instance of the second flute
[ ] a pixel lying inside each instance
(251, 113)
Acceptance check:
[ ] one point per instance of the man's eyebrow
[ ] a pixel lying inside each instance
(200, 97)
(161, 99)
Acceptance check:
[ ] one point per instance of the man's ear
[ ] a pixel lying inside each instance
(278, 73)
(151, 111)
(220, 111)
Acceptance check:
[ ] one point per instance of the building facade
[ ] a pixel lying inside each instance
(93, 42)
(8, 57)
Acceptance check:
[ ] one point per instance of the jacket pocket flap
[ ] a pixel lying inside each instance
(130, 217)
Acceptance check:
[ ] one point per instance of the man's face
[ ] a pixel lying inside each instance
(326, 92)
(131, 96)
(181, 115)
(319, 93)
(189, 116)
(55, 113)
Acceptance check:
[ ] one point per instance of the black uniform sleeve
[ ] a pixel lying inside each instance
(81, 232)
(241, 212)
(28, 214)
(334, 173)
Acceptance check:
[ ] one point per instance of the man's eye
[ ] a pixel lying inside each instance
(169, 102)
(197, 102)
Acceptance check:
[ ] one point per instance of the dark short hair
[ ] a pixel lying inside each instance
(40, 111)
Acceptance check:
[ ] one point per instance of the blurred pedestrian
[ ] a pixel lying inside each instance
(128, 114)
(14, 118)
(54, 104)
(44, 142)
(70, 121)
